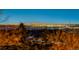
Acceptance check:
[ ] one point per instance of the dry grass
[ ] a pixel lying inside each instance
(64, 40)
(48, 40)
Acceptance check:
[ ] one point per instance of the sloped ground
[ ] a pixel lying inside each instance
(23, 39)
(18, 40)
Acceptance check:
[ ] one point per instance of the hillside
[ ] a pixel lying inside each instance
(22, 37)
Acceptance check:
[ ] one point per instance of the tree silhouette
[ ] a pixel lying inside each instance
(22, 31)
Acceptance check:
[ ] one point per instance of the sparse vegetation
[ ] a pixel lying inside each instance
(43, 39)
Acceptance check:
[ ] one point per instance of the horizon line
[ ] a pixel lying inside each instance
(33, 23)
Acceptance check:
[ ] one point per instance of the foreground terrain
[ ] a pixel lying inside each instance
(22, 38)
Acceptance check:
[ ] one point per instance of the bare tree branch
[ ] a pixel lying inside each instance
(1, 11)
(4, 20)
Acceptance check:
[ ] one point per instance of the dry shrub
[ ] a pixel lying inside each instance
(47, 40)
